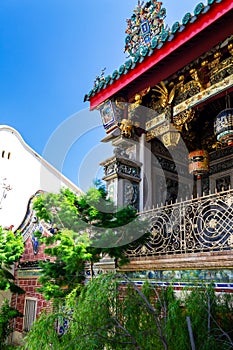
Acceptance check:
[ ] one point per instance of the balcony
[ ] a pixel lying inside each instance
(196, 233)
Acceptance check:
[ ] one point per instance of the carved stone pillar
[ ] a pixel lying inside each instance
(145, 158)
(122, 173)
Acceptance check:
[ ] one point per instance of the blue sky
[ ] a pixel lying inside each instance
(51, 52)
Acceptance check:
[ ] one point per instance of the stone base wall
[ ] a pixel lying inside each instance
(215, 260)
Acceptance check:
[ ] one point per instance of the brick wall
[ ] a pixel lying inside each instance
(28, 284)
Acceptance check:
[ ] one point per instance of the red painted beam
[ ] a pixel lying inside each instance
(185, 55)
(202, 22)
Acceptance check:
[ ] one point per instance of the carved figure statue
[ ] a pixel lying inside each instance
(196, 79)
(230, 49)
(213, 65)
(180, 85)
(138, 99)
(126, 128)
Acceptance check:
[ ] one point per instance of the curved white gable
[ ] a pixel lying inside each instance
(22, 173)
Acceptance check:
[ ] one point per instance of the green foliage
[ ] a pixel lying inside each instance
(11, 248)
(105, 315)
(43, 334)
(175, 321)
(58, 209)
(113, 313)
(7, 313)
(91, 212)
(61, 276)
(93, 316)
(139, 320)
(83, 228)
(215, 315)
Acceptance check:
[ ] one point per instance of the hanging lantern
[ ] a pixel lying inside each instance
(111, 115)
(108, 115)
(223, 126)
(198, 163)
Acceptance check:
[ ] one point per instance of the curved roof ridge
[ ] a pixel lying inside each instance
(146, 51)
(40, 158)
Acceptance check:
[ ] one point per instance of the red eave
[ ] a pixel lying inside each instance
(215, 12)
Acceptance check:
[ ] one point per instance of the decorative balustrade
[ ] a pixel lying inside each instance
(203, 224)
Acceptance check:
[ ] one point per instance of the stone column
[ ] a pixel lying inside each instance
(146, 176)
(122, 173)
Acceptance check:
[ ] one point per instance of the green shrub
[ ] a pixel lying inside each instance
(7, 314)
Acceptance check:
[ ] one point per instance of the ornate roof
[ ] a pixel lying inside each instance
(145, 28)
(146, 35)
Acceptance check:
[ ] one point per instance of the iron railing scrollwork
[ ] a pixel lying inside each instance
(200, 225)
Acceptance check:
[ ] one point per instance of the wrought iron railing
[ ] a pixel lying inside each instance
(203, 224)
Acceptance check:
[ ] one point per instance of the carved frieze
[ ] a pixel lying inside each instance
(156, 121)
(157, 131)
(221, 166)
(131, 194)
(220, 153)
(204, 95)
(225, 69)
(167, 164)
(223, 183)
(221, 160)
(197, 77)
(190, 88)
(110, 169)
(171, 166)
(122, 167)
(220, 69)
(184, 118)
(208, 75)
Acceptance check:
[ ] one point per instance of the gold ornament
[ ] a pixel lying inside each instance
(165, 97)
(126, 128)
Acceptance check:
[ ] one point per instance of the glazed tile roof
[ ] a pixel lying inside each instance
(156, 43)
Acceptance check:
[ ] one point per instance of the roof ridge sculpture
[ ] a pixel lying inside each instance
(146, 24)
(158, 35)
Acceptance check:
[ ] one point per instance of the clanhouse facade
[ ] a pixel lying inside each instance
(168, 112)
(24, 174)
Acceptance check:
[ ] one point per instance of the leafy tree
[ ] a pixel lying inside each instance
(60, 276)
(11, 249)
(43, 334)
(107, 315)
(113, 313)
(83, 229)
(7, 313)
(215, 315)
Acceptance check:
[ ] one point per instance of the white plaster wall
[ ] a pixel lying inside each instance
(25, 172)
